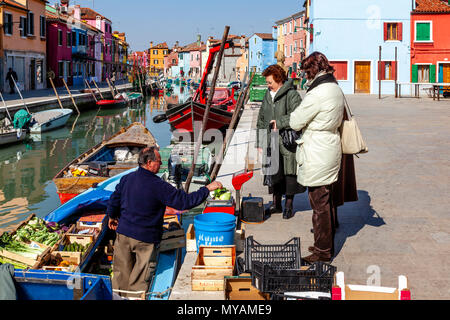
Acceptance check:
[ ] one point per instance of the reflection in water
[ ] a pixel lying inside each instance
(26, 170)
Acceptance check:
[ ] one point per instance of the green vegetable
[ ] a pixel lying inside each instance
(226, 196)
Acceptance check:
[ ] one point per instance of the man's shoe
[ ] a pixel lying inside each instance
(315, 258)
(311, 249)
(288, 214)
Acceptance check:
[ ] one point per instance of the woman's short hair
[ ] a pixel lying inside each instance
(146, 155)
(277, 72)
(315, 63)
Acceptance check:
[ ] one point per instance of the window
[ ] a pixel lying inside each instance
(393, 31)
(23, 27)
(30, 27)
(295, 46)
(60, 38)
(69, 39)
(290, 27)
(291, 51)
(387, 70)
(155, 61)
(174, 61)
(340, 68)
(43, 26)
(74, 38)
(423, 73)
(8, 23)
(301, 44)
(61, 69)
(424, 31)
(155, 52)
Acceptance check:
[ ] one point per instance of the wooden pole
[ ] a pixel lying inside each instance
(379, 75)
(70, 94)
(95, 83)
(20, 94)
(208, 107)
(396, 73)
(6, 108)
(231, 127)
(90, 89)
(110, 88)
(56, 93)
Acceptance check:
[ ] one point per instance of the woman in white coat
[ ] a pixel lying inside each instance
(319, 155)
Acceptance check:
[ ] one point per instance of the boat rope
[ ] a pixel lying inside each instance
(159, 295)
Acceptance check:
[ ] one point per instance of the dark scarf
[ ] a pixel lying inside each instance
(326, 78)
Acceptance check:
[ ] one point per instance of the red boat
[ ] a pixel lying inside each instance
(119, 102)
(183, 116)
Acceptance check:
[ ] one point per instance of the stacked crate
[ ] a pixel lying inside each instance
(258, 88)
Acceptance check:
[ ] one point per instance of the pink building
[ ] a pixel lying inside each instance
(171, 60)
(294, 38)
(195, 71)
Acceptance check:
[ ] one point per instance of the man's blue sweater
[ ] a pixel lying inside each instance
(140, 201)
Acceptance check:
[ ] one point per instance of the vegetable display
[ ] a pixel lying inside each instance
(76, 247)
(10, 244)
(39, 231)
(222, 194)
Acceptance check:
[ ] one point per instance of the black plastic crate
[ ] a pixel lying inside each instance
(278, 256)
(319, 277)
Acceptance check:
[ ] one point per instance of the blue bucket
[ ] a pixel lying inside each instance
(214, 229)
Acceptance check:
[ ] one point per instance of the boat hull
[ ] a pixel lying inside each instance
(53, 122)
(184, 116)
(111, 103)
(11, 138)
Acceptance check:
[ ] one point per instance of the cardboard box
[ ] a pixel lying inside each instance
(240, 288)
(212, 266)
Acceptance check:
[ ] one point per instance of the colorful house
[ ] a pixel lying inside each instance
(59, 48)
(156, 55)
(121, 66)
(184, 62)
(262, 48)
(242, 61)
(430, 41)
(351, 39)
(103, 24)
(292, 40)
(23, 43)
(171, 62)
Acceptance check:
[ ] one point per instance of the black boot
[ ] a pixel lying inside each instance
(276, 205)
(288, 212)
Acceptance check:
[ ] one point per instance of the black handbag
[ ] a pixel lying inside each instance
(289, 137)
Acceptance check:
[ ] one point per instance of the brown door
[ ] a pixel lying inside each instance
(362, 77)
(446, 76)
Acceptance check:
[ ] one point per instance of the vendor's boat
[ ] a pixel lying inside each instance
(50, 120)
(105, 160)
(91, 279)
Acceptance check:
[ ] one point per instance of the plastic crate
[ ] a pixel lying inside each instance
(258, 80)
(278, 256)
(318, 277)
(257, 94)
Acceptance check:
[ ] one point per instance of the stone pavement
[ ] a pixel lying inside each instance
(401, 223)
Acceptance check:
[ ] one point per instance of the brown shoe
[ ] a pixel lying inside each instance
(315, 257)
(311, 249)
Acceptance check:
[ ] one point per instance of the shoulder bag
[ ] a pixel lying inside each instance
(351, 138)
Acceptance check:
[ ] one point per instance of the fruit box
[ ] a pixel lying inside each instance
(212, 265)
(76, 258)
(240, 288)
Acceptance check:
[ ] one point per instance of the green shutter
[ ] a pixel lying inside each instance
(432, 73)
(415, 73)
(423, 31)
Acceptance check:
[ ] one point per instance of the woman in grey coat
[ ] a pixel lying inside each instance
(279, 102)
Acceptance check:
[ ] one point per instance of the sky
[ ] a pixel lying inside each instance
(171, 20)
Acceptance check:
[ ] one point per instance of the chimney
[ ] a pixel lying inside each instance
(77, 12)
(151, 44)
(199, 40)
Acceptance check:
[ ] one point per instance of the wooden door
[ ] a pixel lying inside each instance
(362, 77)
(446, 76)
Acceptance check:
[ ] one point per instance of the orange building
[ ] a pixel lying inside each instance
(23, 43)
(156, 55)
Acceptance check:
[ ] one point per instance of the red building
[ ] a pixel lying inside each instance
(430, 41)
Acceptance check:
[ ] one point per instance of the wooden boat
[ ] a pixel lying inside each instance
(50, 120)
(135, 97)
(53, 285)
(112, 103)
(103, 161)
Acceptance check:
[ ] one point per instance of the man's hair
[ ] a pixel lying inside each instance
(277, 72)
(146, 155)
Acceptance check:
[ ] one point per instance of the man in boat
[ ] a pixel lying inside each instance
(136, 212)
(11, 76)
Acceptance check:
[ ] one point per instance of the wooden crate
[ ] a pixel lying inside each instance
(240, 288)
(212, 265)
(74, 258)
(33, 264)
(191, 244)
(239, 239)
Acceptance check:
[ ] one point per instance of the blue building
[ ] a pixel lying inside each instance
(79, 55)
(350, 36)
(184, 62)
(262, 48)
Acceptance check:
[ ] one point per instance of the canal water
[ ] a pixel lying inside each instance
(27, 169)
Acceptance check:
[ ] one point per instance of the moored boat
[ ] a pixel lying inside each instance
(11, 136)
(135, 97)
(105, 160)
(50, 120)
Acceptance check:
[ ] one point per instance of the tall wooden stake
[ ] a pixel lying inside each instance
(90, 89)
(396, 73)
(208, 107)
(379, 75)
(231, 127)
(95, 83)
(56, 93)
(70, 94)
(20, 94)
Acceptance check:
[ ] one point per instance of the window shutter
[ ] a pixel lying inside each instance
(311, 33)
(394, 70)
(385, 31)
(400, 31)
(415, 73)
(381, 73)
(432, 73)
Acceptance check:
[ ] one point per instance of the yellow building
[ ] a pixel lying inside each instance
(23, 43)
(156, 55)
